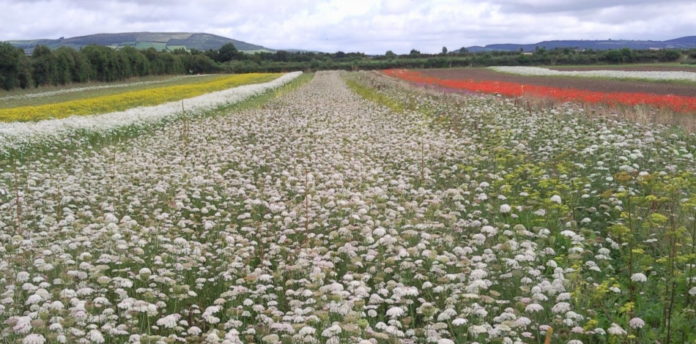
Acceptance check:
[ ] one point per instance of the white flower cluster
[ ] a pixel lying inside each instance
(614, 74)
(324, 218)
(16, 134)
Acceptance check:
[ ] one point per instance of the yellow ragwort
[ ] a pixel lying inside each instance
(130, 99)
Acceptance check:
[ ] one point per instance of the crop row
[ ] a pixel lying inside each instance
(614, 74)
(127, 100)
(322, 217)
(16, 136)
(681, 104)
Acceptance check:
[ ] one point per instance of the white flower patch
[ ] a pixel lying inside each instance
(321, 217)
(15, 134)
(616, 74)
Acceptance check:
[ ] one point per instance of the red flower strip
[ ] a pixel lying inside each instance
(513, 89)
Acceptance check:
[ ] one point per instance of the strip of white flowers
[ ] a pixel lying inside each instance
(618, 74)
(92, 88)
(17, 134)
(324, 218)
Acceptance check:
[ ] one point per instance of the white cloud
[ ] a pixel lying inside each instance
(358, 25)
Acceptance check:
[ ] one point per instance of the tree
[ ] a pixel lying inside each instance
(196, 64)
(137, 62)
(390, 54)
(669, 55)
(44, 66)
(444, 51)
(414, 52)
(227, 52)
(613, 56)
(64, 65)
(9, 66)
(72, 65)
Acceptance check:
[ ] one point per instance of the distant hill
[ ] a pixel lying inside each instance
(143, 40)
(688, 42)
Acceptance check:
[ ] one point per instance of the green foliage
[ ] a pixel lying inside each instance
(227, 53)
(14, 67)
(44, 66)
(100, 63)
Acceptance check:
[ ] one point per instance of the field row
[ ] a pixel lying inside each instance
(557, 90)
(323, 217)
(129, 99)
(16, 137)
(612, 74)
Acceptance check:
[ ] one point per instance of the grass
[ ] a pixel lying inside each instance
(130, 99)
(370, 94)
(56, 94)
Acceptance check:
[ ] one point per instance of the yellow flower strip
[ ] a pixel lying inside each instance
(131, 99)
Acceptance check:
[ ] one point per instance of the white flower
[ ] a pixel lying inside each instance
(169, 321)
(21, 324)
(616, 330)
(505, 208)
(636, 323)
(110, 218)
(445, 341)
(533, 308)
(307, 330)
(639, 277)
(33, 299)
(556, 199)
(331, 331)
(489, 230)
(395, 312)
(692, 291)
(22, 276)
(561, 307)
(523, 321)
(34, 339)
(459, 322)
(96, 337)
(607, 73)
(194, 331)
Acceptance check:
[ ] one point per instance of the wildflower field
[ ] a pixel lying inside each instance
(662, 75)
(676, 103)
(129, 99)
(352, 208)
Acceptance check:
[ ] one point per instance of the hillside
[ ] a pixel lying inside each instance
(143, 40)
(688, 42)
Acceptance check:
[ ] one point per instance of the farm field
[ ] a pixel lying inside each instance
(85, 104)
(687, 77)
(631, 67)
(353, 209)
(604, 85)
(647, 101)
(55, 94)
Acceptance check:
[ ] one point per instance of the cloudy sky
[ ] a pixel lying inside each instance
(371, 26)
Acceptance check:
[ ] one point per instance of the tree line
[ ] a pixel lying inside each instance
(66, 65)
(92, 63)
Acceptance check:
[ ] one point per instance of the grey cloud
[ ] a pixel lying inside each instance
(358, 25)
